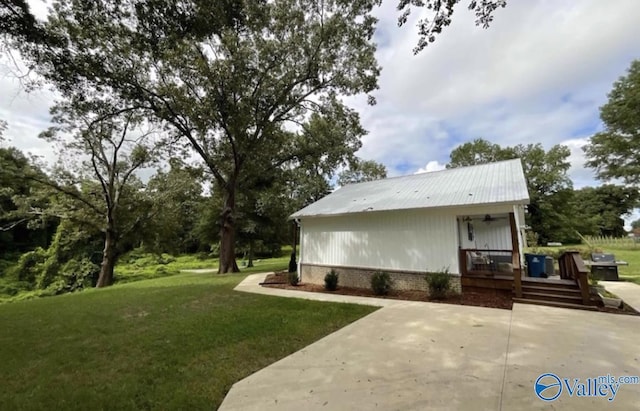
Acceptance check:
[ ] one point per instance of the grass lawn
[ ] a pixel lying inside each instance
(176, 342)
(147, 266)
(632, 271)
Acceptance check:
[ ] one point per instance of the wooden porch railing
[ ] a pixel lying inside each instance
(515, 257)
(572, 268)
(483, 261)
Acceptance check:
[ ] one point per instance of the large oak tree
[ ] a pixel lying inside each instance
(224, 77)
(615, 151)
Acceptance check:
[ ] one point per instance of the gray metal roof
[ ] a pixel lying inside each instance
(501, 182)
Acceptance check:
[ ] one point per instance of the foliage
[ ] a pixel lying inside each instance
(381, 283)
(361, 171)
(17, 232)
(442, 14)
(293, 278)
(549, 186)
(250, 87)
(439, 283)
(10, 287)
(532, 238)
(176, 198)
(601, 209)
(148, 338)
(614, 152)
(331, 280)
(94, 181)
(66, 266)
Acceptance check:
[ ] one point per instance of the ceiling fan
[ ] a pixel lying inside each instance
(488, 218)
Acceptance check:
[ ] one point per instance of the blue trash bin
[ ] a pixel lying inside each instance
(535, 264)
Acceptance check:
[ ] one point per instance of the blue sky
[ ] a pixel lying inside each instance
(539, 74)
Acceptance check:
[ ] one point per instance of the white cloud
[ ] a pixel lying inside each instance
(431, 166)
(538, 74)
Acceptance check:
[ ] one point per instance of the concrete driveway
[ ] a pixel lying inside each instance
(417, 356)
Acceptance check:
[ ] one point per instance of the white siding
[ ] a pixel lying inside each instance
(494, 235)
(411, 240)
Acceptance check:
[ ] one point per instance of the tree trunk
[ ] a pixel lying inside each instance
(293, 265)
(108, 260)
(227, 233)
(250, 262)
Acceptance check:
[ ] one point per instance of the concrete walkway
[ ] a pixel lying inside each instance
(629, 292)
(416, 356)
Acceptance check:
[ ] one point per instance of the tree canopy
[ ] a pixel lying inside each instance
(362, 170)
(550, 188)
(224, 79)
(615, 152)
(600, 209)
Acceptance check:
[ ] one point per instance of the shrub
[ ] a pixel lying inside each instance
(293, 278)
(381, 283)
(10, 287)
(78, 274)
(439, 283)
(331, 280)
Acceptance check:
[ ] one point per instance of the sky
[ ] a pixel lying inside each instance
(538, 75)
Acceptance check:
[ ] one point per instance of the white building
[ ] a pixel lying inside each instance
(469, 221)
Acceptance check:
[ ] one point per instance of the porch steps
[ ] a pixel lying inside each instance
(526, 288)
(553, 292)
(555, 304)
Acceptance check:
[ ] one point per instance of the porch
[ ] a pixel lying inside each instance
(499, 264)
(570, 289)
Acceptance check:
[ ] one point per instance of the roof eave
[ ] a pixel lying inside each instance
(523, 201)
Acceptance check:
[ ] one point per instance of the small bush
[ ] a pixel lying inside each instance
(293, 278)
(381, 283)
(439, 283)
(331, 280)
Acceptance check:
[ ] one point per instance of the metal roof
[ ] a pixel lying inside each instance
(501, 182)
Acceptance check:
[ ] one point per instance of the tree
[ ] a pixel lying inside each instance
(225, 78)
(601, 209)
(16, 232)
(635, 224)
(550, 189)
(176, 196)
(94, 178)
(361, 171)
(615, 152)
(443, 15)
(17, 20)
(479, 151)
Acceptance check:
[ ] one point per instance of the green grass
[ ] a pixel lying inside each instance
(177, 342)
(136, 266)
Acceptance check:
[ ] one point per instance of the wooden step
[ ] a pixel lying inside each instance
(555, 304)
(550, 290)
(567, 298)
(548, 282)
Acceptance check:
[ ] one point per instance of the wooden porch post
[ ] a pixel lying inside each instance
(515, 259)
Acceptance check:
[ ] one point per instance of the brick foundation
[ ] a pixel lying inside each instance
(361, 277)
